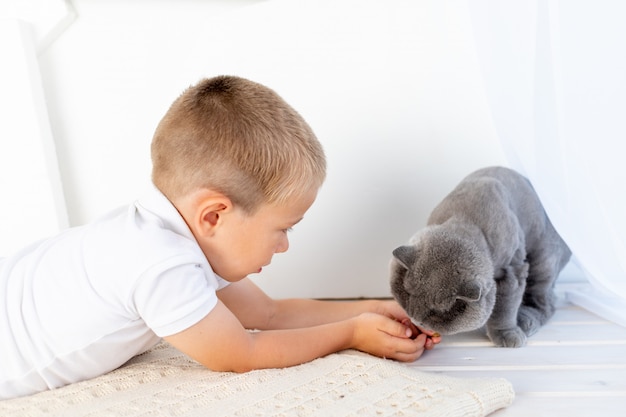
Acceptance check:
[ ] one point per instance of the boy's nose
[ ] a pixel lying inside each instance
(283, 245)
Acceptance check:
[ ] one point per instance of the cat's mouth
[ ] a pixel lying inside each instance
(442, 317)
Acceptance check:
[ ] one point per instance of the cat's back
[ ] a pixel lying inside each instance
(486, 194)
(515, 189)
(513, 181)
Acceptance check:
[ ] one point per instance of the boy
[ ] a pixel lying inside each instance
(234, 168)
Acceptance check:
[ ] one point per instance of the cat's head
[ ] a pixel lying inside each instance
(443, 281)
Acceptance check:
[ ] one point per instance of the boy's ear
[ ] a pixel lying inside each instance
(210, 213)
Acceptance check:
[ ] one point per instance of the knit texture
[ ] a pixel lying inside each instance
(165, 382)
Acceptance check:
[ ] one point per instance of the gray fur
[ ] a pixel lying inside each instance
(488, 255)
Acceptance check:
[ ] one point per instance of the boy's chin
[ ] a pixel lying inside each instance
(232, 277)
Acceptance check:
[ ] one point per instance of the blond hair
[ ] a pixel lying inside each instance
(239, 138)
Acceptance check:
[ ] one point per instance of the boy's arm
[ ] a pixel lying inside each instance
(255, 310)
(221, 343)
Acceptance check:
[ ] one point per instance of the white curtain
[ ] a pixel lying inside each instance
(555, 77)
(33, 205)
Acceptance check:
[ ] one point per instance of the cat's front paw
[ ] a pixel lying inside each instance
(528, 320)
(514, 337)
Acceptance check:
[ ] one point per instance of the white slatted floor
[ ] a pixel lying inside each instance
(574, 366)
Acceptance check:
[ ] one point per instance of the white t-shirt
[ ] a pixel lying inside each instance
(82, 303)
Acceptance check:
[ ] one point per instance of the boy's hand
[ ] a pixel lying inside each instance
(432, 338)
(392, 309)
(387, 337)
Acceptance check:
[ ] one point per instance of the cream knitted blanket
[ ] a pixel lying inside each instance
(164, 382)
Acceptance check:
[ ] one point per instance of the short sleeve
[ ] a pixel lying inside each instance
(176, 297)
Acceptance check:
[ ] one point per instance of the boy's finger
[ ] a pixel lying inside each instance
(430, 333)
(409, 357)
(397, 329)
(414, 330)
(428, 345)
(410, 350)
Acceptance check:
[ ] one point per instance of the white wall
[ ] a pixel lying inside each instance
(391, 88)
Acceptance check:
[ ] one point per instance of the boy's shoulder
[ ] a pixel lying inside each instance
(151, 228)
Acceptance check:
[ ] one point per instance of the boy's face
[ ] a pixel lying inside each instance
(244, 244)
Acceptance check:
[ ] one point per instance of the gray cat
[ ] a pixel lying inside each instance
(488, 255)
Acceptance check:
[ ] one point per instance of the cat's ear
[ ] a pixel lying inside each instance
(406, 255)
(469, 291)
